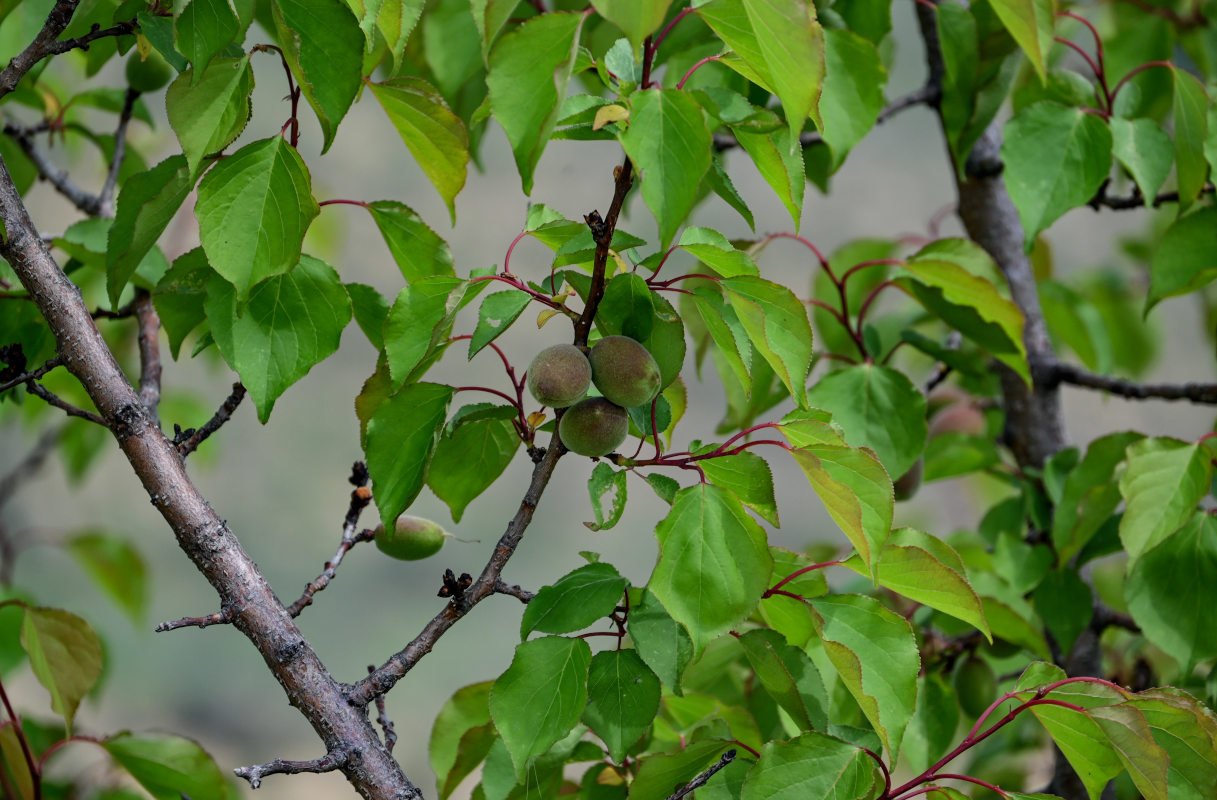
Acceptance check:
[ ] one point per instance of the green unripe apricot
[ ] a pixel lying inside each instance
(411, 539)
(148, 73)
(594, 427)
(624, 371)
(559, 376)
(976, 686)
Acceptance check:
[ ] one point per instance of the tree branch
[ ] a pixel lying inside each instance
(203, 536)
(38, 390)
(105, 197)
(32, 375)
(89, 204)
(191, 439)
(1203, 393)
(224, 617)
(523, 595)
(1138, 200)
(360, 498)
(149, 353)
(328, 763)
(40, 48)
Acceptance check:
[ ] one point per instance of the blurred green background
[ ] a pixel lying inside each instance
(282, 486)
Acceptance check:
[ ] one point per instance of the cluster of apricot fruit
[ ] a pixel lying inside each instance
(621, 369)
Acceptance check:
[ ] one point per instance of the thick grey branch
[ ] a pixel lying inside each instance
(149, 354)
(202, 535)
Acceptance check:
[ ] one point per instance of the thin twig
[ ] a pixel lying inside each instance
(56, 176)
(106, 195)
(360, 498)
(1203, 393)
(46, 394)
(33, 461)
(382, 717)
(1107, 617)
(212, 425)
(705, 776)
(1137, 200)
(33, 375)
(149, 353)
(223, 617)
(523, 595)
(327, 763)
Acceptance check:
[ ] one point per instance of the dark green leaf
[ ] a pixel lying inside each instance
(627, 308)
(1144, 149)
(208, 111)
(323, 44)
(748, 476)
(116, 567)
(789, 676)
(669, 143)
(776, 323)
(168, 766)
(780, 165)
(575, 601)
(1064, 603)
(401, 436)
(418, 250)
(467, 710)
(540, 697)
(291, 323)
(146, 205)
(418, 323)
(661, 642)
(1191, 103)
(253, 210)
(1186, 259)
(811, 767)
(179, 297)
(371, 309)
(204, 28)
(623, 699)
(853, 90)
(496, 314)
(466, 463)
(713, 562)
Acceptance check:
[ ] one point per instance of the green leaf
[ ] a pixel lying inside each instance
(1185, 729)
(623, 699)
(395, 21)
(1075, 322)
(496, 314)
(180, 296)
(1056, 158)
(781, 42)
(1090, 494)
(147, 203)
(203, 29)
(466, 463)
(713, 562)
(875, 654)
(575, 601)
(323, 44)
(419, 251)
(253, 210)
(292, 322)
(1065, 604)
(418, 323)
(466, 711)
(1185, 260)
(1169, 583)
(1191, 103)
(658, 775)
(943, 282)
(638, 19)
(208, 111)
(13, 762)
(401, 436)
(853, 90)
(777, 325)
(1031, 23)
(932, 730)
(876, 407)
(748, 476)
(371, 309)
(116, 567)
(720, 182)
(1144, 149)
(528, 72)
(811, 767)
(789, 676)
(65, 656)
(607, 488)
(1080, 738)
(929, 571)
(855, 490)
(669, 143)
(1165, 480)
(435, 136)
(715, 251)
(168, 767)
(540, 697)
(662, 642)
(780, 165)
(627, 308)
